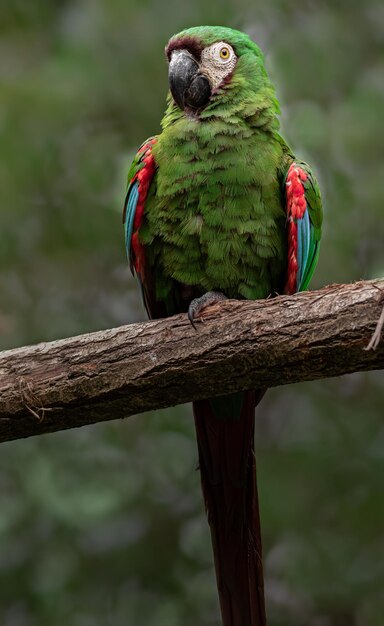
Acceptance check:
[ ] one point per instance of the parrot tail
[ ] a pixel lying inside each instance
(225, 438)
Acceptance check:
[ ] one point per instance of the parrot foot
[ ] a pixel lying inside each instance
(198, 304)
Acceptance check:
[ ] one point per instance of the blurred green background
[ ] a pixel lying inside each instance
(104, 525)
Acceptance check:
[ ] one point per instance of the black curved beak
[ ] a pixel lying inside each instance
(189, 88)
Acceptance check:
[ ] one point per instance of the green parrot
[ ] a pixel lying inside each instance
(218, 207)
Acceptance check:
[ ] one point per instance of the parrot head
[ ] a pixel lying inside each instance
(206, 59)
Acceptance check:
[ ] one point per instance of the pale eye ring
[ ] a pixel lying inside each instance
(224, 53)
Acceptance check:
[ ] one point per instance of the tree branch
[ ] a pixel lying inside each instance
(241, 344)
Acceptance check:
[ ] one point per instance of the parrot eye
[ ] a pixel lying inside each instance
(224, 53)
(217, 62)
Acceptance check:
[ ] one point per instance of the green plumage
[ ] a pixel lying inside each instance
(223, 206)
(216, 219)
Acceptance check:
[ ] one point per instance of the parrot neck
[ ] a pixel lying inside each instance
(247, 100)
(254, 113)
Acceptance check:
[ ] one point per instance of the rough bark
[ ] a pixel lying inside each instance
(241, 345)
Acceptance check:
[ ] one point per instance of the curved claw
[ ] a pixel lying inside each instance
(198, 304)
(190, 316)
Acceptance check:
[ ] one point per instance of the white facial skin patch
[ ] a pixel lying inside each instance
(217, 62)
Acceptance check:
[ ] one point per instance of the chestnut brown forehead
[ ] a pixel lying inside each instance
(194, 46)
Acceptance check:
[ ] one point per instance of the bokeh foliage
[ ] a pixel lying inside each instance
(104, 525)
